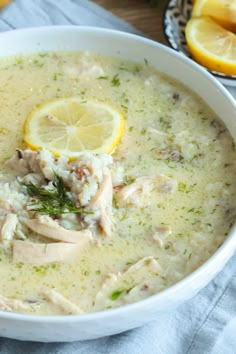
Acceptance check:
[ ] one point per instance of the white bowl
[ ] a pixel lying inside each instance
(125, 46)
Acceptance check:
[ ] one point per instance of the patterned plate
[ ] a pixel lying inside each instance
(175, 18)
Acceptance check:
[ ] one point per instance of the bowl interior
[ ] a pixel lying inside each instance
(129, 47)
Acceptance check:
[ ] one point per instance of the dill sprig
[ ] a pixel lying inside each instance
(52, 201)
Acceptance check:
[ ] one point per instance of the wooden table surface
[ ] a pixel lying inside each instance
(140, 13)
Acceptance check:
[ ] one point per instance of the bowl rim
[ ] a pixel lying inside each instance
(228, 245)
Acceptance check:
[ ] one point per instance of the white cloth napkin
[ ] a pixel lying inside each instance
(205, 324)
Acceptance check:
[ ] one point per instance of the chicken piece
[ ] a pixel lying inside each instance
(146, 262)
(87, 175)
(49, 228)
(34, 178)
(5, 208)
(23, 162)
(64, 304)
(160, 234)
(116, 287)
(8, 227)
(101, 204)
(49, 164)
(86, 68)
(137, 193)
(7, 304)
(41, 253)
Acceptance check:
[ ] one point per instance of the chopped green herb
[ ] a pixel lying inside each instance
(55, 266)
(143, 131)
(19, 265)
(180, 235)
(124, 107)
(182, 187)
(165, 123)
(82, 92)
(56, 76)
(123, 68)
(42, 55)
(42, 270)
(124, 216)
(116, 294)
(115, 80)
(19, 60)
(38, 64)
(128, 180)
(102, 78)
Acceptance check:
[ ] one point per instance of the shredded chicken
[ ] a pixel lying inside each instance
(7, 304)
(86, 69)
(63, 303)
(148, 262)
(137, 193)
(101, 203)
(23, 162)
(160, 234)
(116, 287)
(87, 182)
(41, 253)
(5, 208)
(8, 227)
(47, 227)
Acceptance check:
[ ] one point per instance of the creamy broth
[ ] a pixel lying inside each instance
(169, 131)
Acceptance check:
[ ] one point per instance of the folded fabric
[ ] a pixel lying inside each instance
(206, 323)
(20, 13)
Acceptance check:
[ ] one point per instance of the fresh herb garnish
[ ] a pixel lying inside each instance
(114, 296)
(102, 78)
(143, 131)
(115, 80)
(52, 201)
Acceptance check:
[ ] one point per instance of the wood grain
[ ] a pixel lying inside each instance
(140, 13)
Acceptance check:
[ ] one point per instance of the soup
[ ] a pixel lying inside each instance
(103, 230)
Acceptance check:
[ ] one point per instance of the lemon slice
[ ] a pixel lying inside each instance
(211, 45)
(69, 126)
(221, 11)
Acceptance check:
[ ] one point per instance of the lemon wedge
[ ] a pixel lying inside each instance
(69, 126)
(4, 2)
(211, 45)
(221, 11)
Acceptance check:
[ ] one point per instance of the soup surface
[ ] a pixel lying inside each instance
(152, 211)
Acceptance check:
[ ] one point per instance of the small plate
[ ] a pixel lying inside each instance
(176, 15)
